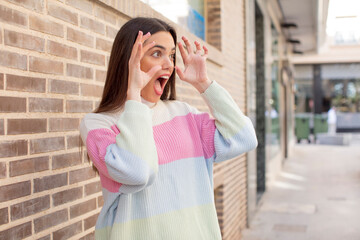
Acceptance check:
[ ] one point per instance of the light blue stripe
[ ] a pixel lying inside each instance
(127, 168)
(180, 184)
(241, 142)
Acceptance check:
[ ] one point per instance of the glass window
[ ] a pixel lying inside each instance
(273, 108)
(344, 94)
(189, 14)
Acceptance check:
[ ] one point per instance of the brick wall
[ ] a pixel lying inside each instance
(53, 59)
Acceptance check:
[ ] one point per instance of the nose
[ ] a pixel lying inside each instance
(168, 63)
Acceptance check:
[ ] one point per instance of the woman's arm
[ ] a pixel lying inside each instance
(127, 157)
(233, 131)
(125, 153)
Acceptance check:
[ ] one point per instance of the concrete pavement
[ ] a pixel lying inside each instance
(316, 196)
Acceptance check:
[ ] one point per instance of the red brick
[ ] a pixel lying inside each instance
(92, 188)
(0, 36)
(36, 5)
(91, 90)
(12, 104)
(61, 50)
(43, 65)
(13, 60)
(30, 165)
(90, 57)
(111, 32)
(50, 220)
(82, 208)
(81, 175)
(11, 16)
(66, 196)
(25, 41)
(2, 170)
(48, 237)
(92, 25)
(84, 6)
(15, 190)
(45, 105)
(27, 84)
(18, 232)
(80, 37)
(1, 74)
(46, 26)
(90, 221)
(90, 236)
(73, 141)
(26, 126)
(46, 144)
(13, 148)
(101, 13)
(64, 87)
(78, 71)
(100, 75)
(2, 132)
(29, 207)
(63, 124)
(50, 182)
(78, 106)
(66, 160)
(68, 231)
(103, 44)
(62, 13)
(4, 216)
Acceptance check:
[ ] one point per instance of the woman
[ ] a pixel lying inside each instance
(155, 154)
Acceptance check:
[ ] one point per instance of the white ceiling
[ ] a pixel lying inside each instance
(304, 14)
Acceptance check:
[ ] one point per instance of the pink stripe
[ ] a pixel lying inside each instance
(97, 141)
(186, 136)
(109, 184)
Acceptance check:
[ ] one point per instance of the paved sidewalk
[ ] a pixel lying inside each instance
(316, 196)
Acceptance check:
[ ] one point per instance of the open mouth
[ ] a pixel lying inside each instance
(160, 83)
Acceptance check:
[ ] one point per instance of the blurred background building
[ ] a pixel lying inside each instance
(330, 75)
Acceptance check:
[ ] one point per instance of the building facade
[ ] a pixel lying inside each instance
(270, 96)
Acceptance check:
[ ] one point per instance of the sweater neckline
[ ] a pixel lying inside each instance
(147, 103)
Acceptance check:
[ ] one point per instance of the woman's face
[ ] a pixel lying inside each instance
(163, 54)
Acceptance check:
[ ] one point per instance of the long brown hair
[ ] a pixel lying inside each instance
(116, 84)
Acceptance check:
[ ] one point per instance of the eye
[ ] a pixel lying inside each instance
(172, 57)
(156, 54)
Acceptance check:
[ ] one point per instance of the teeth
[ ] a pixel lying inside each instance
(164, 77)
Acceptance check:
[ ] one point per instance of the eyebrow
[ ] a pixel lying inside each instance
(161, 47)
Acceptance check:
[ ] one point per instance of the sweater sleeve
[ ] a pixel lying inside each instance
(125, 154)
(234, 132)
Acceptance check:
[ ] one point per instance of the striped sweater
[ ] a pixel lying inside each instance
(155, 164)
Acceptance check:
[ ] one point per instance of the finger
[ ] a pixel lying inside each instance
(136, 45)
(206, 51)
(153, 71)
(188, 45)
(179, 73)
(183, 52)
(198, 47)
(138, 53)
(145, 37)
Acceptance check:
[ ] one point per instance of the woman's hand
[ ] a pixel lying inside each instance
(138, 79)
(195, 66)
